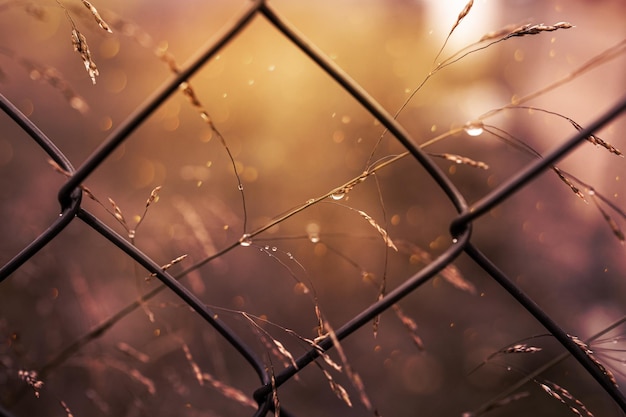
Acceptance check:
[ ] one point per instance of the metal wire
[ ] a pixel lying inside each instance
(70, 201)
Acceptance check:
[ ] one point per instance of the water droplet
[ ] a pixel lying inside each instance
(508, 368)
(474, 128)
(289, 255)
(240, 187)
(455, 240)
(274, 248)
(267, 247)
(245, 240)
(313, 232)
(310, 201)
(131, 234)
(591, 193)
(337, 196)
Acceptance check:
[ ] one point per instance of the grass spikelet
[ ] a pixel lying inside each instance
(380, 230)
(31, 378)
(460, 17)
(168, 265)
(229, 392)
(272, 344)
(591, 138)
(450, 273)
(355, 378)
(67, 410)
(117, 212)
(339, 390)
(557, 392)
(529, 29)
(154, 196)
(514, 348)
(462, 160)
(281, 348)
(275, 399)
(410, 325)
(596, 140)
(521, 348)
(197, 372)
(585, 348)
(96, 16)
(79, 42)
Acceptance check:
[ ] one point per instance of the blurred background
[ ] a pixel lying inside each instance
(294, 135)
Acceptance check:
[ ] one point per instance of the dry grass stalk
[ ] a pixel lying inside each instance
(48, 75)
(132, 352)
(272, 344)
(68, 412)
(355, 378)
(596, 61)
(96, 16)
(123, 367)
(568, 182)
(229, 392)
(585, 348)
(67, 174)
(380, 230)
(591, 138)
(117, 213)
(596, 140)
(521, 348)
(564, 396)
(154, 197)
(30, 377)
(617, 231)
(410, 325)
(79, 42)
(197, 372)
(461, 160)
(460, 17)
(529, 29)
(337, 388)
(511, 349)
(168, 265)
(275, 399)
(450, 273)
(500, 35)
(522, 146)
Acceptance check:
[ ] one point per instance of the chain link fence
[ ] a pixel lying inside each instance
(260, 354)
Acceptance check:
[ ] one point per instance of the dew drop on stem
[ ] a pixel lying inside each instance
(245, 240)
(474, 128)
(337, 196)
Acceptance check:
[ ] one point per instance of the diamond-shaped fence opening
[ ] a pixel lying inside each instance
(339, 215)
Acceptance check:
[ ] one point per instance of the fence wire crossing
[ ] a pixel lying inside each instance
(70, 198)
